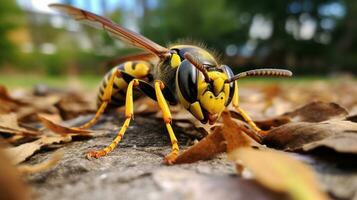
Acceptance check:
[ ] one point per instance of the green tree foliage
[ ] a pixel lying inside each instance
(220, 23)
(208, 21)
(10, 18)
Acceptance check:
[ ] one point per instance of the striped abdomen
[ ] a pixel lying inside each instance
(137, 69)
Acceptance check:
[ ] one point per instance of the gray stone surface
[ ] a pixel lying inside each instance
(135, 170)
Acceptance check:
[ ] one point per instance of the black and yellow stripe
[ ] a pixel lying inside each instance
(137, 69)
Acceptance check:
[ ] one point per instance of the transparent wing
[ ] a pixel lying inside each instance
(149, 57)
(112, 29)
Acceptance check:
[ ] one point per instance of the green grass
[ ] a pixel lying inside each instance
(28, 81)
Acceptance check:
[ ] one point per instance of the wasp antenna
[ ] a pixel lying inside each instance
(195, 62)
(261, 72)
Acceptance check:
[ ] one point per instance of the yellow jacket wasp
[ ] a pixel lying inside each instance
(185, 74)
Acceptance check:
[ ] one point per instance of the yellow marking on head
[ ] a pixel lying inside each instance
(201, 85)
(175, 60)
(196, 110)
(218, 85)
(213, 104)
(218, 81)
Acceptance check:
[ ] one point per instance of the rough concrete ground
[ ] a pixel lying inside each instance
(135, 169)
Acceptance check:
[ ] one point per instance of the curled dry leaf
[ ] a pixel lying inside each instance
(223, 139)
(21, 153)
(352, 118)
(234, 134)
(313, 112)
(205, 149)
(61, 129)
(12, 187)
(279, 172)
(46, 165)
(340, 136)
(9, 124)
(317, 112)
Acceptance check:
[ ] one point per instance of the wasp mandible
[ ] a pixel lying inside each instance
(185, 74)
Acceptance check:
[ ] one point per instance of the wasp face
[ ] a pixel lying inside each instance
(204, 99)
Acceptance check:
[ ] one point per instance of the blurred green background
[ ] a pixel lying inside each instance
(309, 37)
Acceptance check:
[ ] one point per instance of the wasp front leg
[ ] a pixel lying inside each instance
(166, 115)
(235, 103)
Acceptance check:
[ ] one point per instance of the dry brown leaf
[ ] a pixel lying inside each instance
(8, 124)
(61, 129)
(46, 165)
(278, 171)
(21, 153)
(352, 118)
(222, 139)
(340, 136)
(4, 95)
(233, 134)
(313, 112)
(74, 105)
(12, 187)
(317, 112)
(205, 149)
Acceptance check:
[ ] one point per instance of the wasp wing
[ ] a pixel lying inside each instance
(149, 57)
(112, 29)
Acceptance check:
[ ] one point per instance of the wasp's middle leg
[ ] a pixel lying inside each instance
(166, 115)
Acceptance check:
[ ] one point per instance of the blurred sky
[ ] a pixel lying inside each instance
(92, 5)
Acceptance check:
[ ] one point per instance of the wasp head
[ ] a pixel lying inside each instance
(203, 90)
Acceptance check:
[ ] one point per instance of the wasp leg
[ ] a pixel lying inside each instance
(105, 100)
(166, 115)
(129, 114)
(245, 116)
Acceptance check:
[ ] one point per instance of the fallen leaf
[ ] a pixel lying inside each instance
(234, 135)
(317, 112)
(9, 124)
(222, 139)
(313, 112)
(205, 149)
(195, 186)
(61, 129)
(340, 136)
(280, 172)
(352, 118)
(343, 143)
(46, 165)
(74, 103)
(12, 186)
(4, 95)
(21, 153)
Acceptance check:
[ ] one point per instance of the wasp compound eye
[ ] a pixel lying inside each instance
(195, 62)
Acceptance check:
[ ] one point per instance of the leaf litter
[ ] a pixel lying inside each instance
(278, 109)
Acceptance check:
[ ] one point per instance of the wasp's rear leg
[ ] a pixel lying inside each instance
(114, 85)
(166, 115)
(105, 99)
(129, 113)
